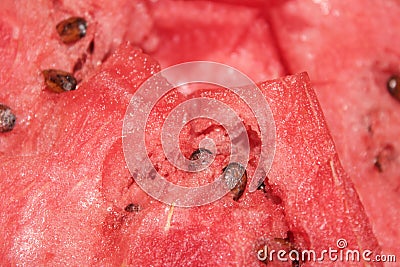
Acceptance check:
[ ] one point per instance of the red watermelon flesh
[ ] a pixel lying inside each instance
(237, 36)
(23, 29)
(40, 107)
(350, 51)
(56, 210)
(29, 43)
(349, 57)
(71, 209)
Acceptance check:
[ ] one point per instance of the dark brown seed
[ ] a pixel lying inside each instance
(72, 29)
(232, 172)
(200, 158)
(7, 119)
(59, 81)
(393, 86)
(132, 208)
(200, 153)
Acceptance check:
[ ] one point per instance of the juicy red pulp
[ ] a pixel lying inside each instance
(72, 209)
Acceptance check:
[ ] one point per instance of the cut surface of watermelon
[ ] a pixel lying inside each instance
(237, 36)
(66, 185)
(350, 57)
(58, 202)
(72, 209)
(29, 44)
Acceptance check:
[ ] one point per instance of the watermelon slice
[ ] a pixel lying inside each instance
(350, 53)
(78, 208)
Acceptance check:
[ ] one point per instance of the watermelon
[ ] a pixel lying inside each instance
(72, 210)
(30, 44)
(355, 68)
(350, 53)
(231, 35)
(67, 195)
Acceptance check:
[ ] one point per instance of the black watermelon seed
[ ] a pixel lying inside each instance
(132, 208)
(200, 158)
(200, 154)
(7, 119)
(393, 86)
(231, 174)
(59, 81)
(72, 29)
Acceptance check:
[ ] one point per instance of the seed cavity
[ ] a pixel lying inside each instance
(385, 157)
(79, 63)
(132, 208)
(59, 81)
(266, 188)
(90, 48)
(7, 119)
(393, 86)
(72, 29)
(232, 173)
(106, 56)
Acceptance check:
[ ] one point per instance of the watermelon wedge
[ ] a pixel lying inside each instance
(77, 208)
(350, 57)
